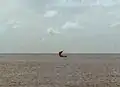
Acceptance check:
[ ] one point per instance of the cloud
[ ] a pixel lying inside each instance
(13, 23)
(50, 13)
(15, 26)
(71, 25)
(115, 24)
(52, 31)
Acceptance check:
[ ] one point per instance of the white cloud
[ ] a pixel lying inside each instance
(69, 25)
(15, 26)
(115, 24)
(52, 31)
(11, 21)
(50, 13)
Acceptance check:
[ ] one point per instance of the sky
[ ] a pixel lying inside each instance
(82, 26)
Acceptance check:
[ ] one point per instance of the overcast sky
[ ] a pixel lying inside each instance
(52, 25)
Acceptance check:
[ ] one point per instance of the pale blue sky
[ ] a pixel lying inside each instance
(52, 25)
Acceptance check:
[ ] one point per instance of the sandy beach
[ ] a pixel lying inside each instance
(52, 71)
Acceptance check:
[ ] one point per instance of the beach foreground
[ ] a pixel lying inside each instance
(53, 71)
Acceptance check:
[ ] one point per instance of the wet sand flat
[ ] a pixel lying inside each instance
(52, 71)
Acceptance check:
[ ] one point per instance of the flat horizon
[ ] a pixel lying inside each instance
(41, 53)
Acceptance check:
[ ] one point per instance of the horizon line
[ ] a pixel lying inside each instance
(73, 53)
